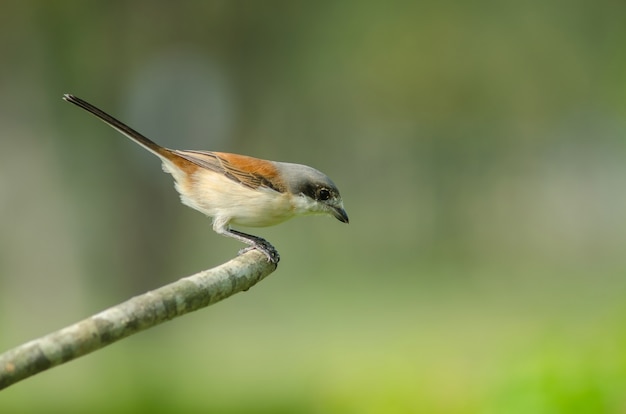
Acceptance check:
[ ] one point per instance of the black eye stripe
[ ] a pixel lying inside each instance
(319, 191)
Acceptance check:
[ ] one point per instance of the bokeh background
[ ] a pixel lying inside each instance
(479, 147)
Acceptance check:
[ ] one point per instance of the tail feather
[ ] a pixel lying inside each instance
(120, 126)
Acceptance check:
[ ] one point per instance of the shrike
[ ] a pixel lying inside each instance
(237, 189)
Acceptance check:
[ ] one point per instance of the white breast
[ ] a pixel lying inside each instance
(227, 201)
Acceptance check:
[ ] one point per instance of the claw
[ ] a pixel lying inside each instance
(267, 249)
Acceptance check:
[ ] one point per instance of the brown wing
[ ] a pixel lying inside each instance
(249, 171)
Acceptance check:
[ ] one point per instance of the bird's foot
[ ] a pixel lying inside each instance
(264, 247)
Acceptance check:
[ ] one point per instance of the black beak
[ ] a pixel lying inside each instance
(341, 215)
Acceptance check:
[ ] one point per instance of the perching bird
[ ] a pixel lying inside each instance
(237, 189)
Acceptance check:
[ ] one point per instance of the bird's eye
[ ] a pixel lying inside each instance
(323, 194)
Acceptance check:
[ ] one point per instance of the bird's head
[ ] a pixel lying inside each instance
(313, 192)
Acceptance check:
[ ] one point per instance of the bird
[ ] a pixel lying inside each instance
(238, 190)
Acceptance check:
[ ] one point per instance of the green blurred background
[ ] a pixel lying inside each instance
(480, 150)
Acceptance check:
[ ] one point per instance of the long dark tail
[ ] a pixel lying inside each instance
(120, 126)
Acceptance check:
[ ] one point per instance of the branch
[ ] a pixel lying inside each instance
(141, 312)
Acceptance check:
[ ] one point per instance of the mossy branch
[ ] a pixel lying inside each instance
(141, 312)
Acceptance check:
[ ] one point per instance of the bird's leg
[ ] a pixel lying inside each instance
(255, 242)
(220, 226)
(258, 243)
